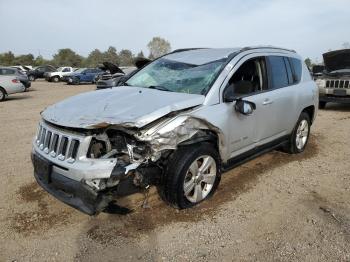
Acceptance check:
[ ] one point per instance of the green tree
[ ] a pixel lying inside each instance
(7, 58)
(24, 59)
(126, 57)
(67, 57)
(39, 60)
(111, 55)
(158, 47)
(308, 62)
(95, 58)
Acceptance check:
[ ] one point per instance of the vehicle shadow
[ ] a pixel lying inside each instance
(337, 107)
(17, 97)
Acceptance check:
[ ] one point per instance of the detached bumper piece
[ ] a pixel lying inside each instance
(74, 193)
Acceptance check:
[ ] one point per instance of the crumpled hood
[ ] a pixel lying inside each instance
(126, 106)
(337, 60)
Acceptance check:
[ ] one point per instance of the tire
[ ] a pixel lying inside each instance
(55, 79)
(31, 78)
(2, 94)
(178, 171)
(298, 140)
(76, 81)
(322, 104)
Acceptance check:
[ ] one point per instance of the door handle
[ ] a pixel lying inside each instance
(267, 102)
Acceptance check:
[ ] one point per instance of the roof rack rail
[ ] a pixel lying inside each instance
(187, 49)
(263, 47)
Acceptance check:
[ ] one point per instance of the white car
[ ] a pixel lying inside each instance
(10, 85)
(57, 75)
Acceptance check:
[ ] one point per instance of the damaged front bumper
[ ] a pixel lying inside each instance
(74, 193)
(79, 194)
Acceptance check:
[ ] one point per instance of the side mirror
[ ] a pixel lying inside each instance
(245, 107)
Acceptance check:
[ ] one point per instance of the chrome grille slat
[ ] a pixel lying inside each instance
(337, 83)
(57, 144)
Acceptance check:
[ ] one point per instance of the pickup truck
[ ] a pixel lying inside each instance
(58, 74)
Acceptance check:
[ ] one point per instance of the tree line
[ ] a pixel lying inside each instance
(67, 57)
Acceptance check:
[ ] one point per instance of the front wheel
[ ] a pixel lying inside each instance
(31, 78)
(55, 79)
(300, 135)
(192, 175)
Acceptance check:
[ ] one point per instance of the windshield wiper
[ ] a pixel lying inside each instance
(162, 88)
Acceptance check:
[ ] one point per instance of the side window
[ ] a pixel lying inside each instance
(6, 71)
(250, 78)
(66, 70)
(278, 72)
(289, 71)
(297, 69)
(1, 72)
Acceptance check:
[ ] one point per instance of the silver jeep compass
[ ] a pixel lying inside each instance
(177, 124)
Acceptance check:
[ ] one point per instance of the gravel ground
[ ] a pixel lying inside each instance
(276, 207)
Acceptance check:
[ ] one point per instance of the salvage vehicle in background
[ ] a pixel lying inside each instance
(334, 82)
(23, 69)
(112, 80)
(83, 75)
(10, 84)
(177, 124)
(38, 72)
(57, 75)
(14, 72)
(119, 75)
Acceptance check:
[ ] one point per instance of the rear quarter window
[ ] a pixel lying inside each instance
(296, 69)
(278, 72)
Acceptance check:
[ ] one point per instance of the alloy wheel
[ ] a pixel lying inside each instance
(200, 178)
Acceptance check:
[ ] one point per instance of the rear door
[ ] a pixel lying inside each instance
(278, 102)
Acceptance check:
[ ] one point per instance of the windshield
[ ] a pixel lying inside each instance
(59, 69)
(171, 75)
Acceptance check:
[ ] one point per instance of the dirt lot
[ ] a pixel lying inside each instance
(277, 207)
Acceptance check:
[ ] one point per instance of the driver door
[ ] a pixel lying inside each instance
(248, 83)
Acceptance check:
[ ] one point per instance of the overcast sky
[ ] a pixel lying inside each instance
(309, 26)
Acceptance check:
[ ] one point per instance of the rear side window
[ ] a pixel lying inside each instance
(296, 69)
(6, 71)
(278, 72)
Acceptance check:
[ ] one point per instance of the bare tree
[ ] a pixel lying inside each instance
(158, 47)
(346, 45)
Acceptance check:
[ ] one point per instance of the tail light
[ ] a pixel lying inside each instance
(16, 81)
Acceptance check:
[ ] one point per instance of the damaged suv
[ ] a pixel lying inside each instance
(177, 124)
(334, 81)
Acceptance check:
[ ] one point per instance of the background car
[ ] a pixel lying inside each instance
(58, 74)
(39, 72)
(10, 84)
(10, 71)
(23, 69)
(83, 75)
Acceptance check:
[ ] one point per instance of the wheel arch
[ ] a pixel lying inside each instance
(310, 110)
(4, 90)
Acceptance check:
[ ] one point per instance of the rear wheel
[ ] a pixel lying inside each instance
(2, 94)
(300, 135)
(192, 175)
(31, 78)
(322, 104)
